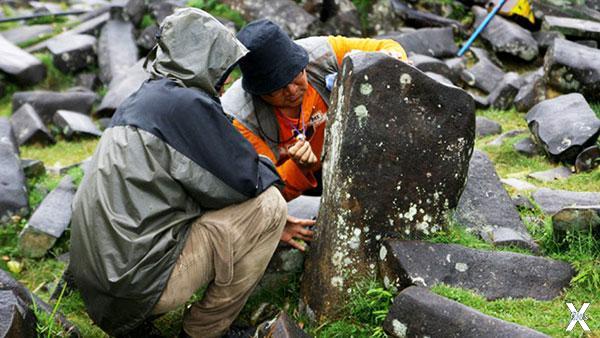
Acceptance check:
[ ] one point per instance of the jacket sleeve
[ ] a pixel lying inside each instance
(342, 45)
(295, 180)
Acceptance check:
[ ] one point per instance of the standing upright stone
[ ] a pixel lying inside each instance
(25, 68)
(117, 50)
(397, 156)
(13, 192)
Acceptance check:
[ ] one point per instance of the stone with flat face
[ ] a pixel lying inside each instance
(23, 34)
(121, 87)
(397, 147)
(503, 96)
(532, 91)
(487, 75)
(527, 147)
(29, 127)
(588, 159)
(436, 42)
(493, 274)
(21, 66)
(117, 50)
(430, 64)
(563, 126)
(571, 27)
(71, 53)
(75, 124)
(13, 191)
(486, 127)
(584, 220)
(559, 173)
(46, 103)
(551, 201)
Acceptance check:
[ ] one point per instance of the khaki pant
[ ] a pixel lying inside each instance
(228, 250)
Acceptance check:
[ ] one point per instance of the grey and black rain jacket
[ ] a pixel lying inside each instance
(169, 154)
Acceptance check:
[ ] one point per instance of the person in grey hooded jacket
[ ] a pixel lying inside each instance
(174, 198)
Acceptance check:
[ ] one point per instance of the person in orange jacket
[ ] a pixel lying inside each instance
(280, 104)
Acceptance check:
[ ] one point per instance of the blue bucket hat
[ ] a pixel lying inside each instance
(273, 61)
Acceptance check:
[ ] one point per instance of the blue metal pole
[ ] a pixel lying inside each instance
(481, 27)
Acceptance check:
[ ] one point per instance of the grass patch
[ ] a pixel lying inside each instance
(61, 154)
(219, 10)
(364, 8)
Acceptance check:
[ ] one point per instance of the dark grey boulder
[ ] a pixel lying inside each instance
(305, 207)
(147, 38)
(483, 54)
(430, 64)
(120, 88)
(339, 17)
(89, 81)
(487, 208)
(29, 127)
(551, 201)
(571, 67)
(532, 91)
(415, 18)
(527, 147)
(564, 126)
(487, 75)
(498, 141)
(506, 36)
(281, 327)
(161, 9)
(486, 127)
(522, 202)
(135, 10)
(117, 50)
(33, 168)
(440, 78)
(290, 16)
(436, 42)
(588, 43)
(481, 102)
(550, 175)
(493, 274)
(571, 27)
(584, 220)
(75, 124)
(46, 103)
(588, 159)
(49, 221)
(545, 39)
(13, 191)
(25, 33)
(73, 52)
(418, 312)
(16, 318)
(380, 98)
(21, 66)
(503, 96)
(458, 68)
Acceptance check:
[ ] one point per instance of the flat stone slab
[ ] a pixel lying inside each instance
(46, 103)
(493, 274)
(117, 50)
(13, 191)
(498, 141)
(23, 67)
(572, 27)
(564, 126)
(75, 124)
(527, 147)
(506, 36)
(73, 52)
(29, 127)
(418, 312)
(26, 33)
(486, 127)
(49, 221)
(588, 159)
(430, 64)
(576, 219)
(518, 184)
(503, 95)
(571, 67)
(487, 75)
(552, 201)
(487, 208)
(436, 42)
(120, 88)
(550, 175)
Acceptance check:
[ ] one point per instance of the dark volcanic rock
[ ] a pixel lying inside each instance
(29, 127)
(572, 27)
(161, 9)
(527, 147)
(430, 64)
(13, 191)
(440, 78)
(532, 92)
(486, 127)
(117, 50)
(546, 39)
(564, 126)
(576, 219)
(135, 10)
(506, 36)
(416, 18)
(551, 201)
(340, 17)
(486, 207)
(379, 98)
(487, 75)
(49, 220)
(89, 81)
(571, 67)
(436, 42)
(75, 124)
(121, 87)
(489, 273)
(503, 96)
(418, 312)
(147, 38)
(588, 159)
(282, 327)
(46, 103)
(23, 67)
(73, 52)
(26, 33)
(550, 175)
(498, 141)
(286, 13)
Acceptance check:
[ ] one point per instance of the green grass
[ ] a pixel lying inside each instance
(61, 154)
(219, 10)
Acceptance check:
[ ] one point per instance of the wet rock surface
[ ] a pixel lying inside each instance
(551, 201)
(46, 103)
(13, 191)
(29, 127)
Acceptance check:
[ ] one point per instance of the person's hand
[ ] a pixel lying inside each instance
(301, 153)
(295, 228)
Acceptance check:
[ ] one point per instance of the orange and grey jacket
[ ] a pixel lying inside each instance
(257, 121)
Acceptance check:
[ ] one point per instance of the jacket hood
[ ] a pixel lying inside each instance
(195, 50)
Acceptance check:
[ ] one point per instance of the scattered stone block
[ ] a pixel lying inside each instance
(23, 67)
(583, 220)
(527, 147)
(13, 191)
(532, 92)
(379, 98)
(117, 50)
(46, 103)
(340, 17)
(26, 33)
(522, 202)
(29, 127)
(588, 159)
(493, 274)
(498, 141)
(517, 184)
(121, 87)
(436, 42)
(416, 18)
(563, 126)
(135, 10)
(418, 312)
(481, 102)
(89, 81)
(33, 168)
(486, 127)
(487, 75)
(281, 327)
(73, 52)
(147, 38)
(440, 78)
(458, 67)
(487, 208)
(571, 27)
(571, 67)
(75, 124)
(545, 39)
(550, 175)
(430, 64)
(49, 220)
(503, 95)
(506, 36)
(552, 201)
